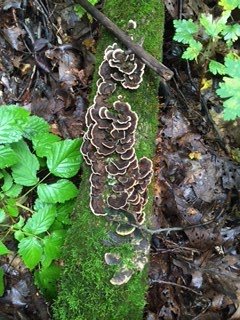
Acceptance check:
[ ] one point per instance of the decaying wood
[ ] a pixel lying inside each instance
(147, 58)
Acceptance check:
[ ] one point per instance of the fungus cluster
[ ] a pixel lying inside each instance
(118, 180)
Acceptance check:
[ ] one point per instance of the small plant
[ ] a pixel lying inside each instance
(210, 36)
(79, 9)
(36, 196)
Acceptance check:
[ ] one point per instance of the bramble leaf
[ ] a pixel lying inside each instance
(193, 50)
(214, 26)
(8, 181)
(25, 171)
(229, 4)
(185, 29)
(35, 126)
(217, 67)
(41, 220)
(11, 207)
(60, 191)
(64, 211)
(52, 247)
(7, 157)
(12, 122)
(46, 280)
(64, 158)
(14, 191)
(30, 249)
(3, 249)
(43, 142)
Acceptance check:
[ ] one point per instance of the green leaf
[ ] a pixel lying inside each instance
(30, 249)
(52, 247)
(231, 32)
(25, 171)
(20, 223)
(193, 50)
(229, 4)
(19, 235)
(41, 220)
(60, 191)
(213, 27)
(64, 158)
(1, 282)
(7, 157)
(8, 181)
(12, 122)
(217, 67)
(35, 126)
(230, 89)
(80, 11)
(185, 29)
(42, 143)
(232, 64)
(3, 249)
(46, 279)
(14, 191)
(2, 216)
(64, 211)
(11, 207)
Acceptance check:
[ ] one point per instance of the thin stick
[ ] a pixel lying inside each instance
(176, 285)
(146, 57)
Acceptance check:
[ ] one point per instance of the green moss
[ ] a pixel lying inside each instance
(85, 292)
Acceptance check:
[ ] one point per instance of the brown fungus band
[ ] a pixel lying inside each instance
(119, 180)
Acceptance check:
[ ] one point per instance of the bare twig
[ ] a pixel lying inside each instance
(146, 57)
(176, 285)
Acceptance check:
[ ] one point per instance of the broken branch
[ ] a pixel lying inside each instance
(146, 57)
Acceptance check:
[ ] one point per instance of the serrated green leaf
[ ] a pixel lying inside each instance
(30, 249)
(64, 211)
(60, 191)
(46, 280)
(8, 181)
(52, 247)
(64, 158)
(231, 32)
(7, 157)
(11, 207)
(229, 4)
(217, 67)
(3, 249)
(185, 29)
(193, 50)
(14, 191)
(213, 27)
(25, 171)
(230, 89)
(2, 216)
(35, 126)
(20, 223)
(19, 235)
(232, 64)
(2, 287)
(41, 220)
(12, 122)
(42, 143)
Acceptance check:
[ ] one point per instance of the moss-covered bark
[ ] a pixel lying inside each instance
(85, 291)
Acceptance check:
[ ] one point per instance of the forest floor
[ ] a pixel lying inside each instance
(194, 270)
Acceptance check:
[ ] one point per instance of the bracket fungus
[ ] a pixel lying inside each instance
(119, 180)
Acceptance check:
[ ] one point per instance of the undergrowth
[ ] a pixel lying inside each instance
(211, 38)
(36, 195)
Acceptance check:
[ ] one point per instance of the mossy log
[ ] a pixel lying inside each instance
(85, 292)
